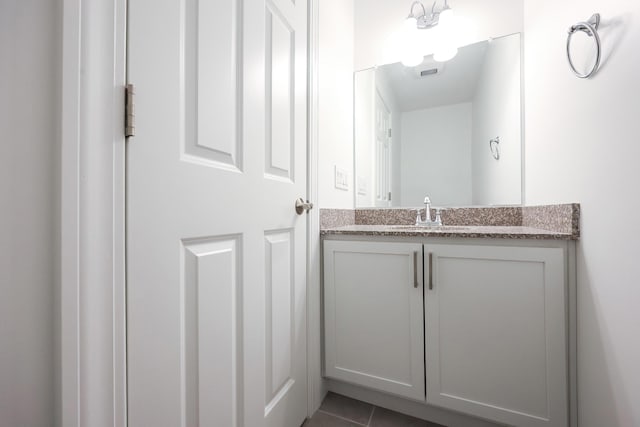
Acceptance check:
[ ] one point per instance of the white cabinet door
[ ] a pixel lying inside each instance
(496, 333)
(374, 315)
(216, 255)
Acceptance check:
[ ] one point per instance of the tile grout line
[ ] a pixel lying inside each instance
(343, 418)
(371, 416)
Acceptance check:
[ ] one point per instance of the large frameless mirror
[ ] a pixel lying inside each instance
(450, 130)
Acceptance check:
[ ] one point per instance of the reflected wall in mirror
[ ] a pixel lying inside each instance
(452, 131)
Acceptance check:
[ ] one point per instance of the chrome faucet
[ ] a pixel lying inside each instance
(427, 217)
(427, 210)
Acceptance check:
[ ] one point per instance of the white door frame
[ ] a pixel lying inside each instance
(315, 382)
(92, 323)
(91, 328)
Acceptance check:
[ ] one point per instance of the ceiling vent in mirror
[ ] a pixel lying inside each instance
(429, 69)
(429, 72)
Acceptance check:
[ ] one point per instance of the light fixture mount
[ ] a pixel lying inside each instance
(426, 20)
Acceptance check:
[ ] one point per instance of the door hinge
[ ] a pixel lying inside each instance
(129, 111)
(389, 195)
(389, 133)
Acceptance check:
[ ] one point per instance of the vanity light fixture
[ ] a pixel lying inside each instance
(425, 21)
(420, 19)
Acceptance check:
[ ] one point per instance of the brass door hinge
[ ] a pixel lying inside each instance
(129, 111)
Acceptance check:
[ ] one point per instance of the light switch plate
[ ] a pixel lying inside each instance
(363, 186)
(341, 178)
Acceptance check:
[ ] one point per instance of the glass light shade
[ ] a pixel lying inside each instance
(446, 17)
(410, 25)
(412, 59)
(445, 53)
(410, 43)
(447, 47)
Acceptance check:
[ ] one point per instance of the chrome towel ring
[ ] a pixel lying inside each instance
(494, 146)
(591, 28)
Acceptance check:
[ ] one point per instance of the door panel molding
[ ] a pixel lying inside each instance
(212, 330)
(212, 34)
(280, 91)
(279, 315)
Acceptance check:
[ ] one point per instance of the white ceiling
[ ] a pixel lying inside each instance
(454, 83)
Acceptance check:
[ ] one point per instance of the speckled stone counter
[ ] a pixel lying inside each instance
(513, 232)
(555, 222)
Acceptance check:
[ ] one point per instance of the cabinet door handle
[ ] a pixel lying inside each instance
(415, 269)
(430, 270)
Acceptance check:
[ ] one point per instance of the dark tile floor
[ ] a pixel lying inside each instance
(341, 411)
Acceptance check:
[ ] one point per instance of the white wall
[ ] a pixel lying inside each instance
(377, 22)
(436, 156)
(335, 101)
(582, 144)
(497, 112)
(29, 151)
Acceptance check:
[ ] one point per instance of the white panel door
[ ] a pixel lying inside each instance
(496, 333)
(216, 275)
(374, 315)
(383, 153)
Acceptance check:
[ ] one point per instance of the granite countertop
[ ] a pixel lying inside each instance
(553, 222)
(501, 232)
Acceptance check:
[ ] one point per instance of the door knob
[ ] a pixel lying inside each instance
(302, 206)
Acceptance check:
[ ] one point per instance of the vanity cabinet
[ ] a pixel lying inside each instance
(495, 319)
(496, 332)
(374, 333)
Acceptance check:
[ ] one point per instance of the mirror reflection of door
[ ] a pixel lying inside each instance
(383, 153)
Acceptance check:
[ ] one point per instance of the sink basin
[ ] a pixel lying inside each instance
(441, 228)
